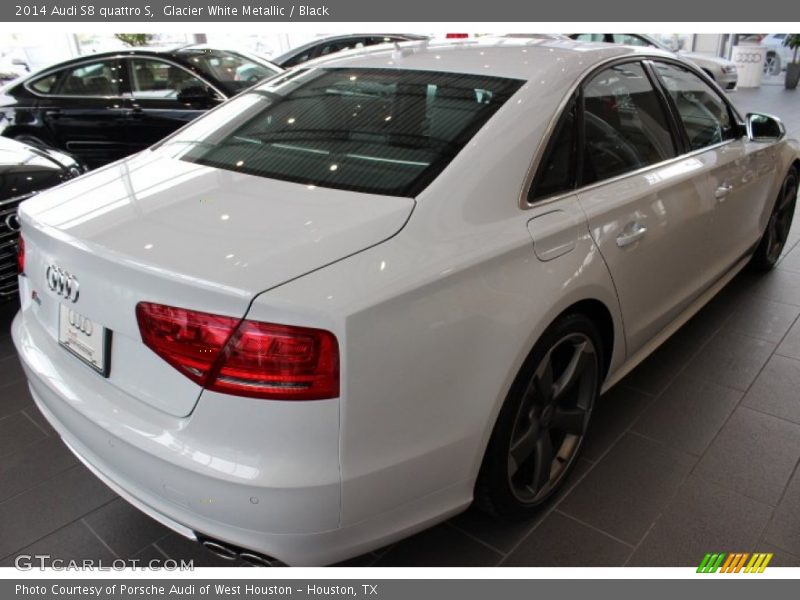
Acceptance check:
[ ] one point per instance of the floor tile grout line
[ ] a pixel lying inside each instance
(741, 400)
(43, 481)
(768, 414)
(594, 528)
(39, 427)
(651, 527)
(161, 550)
(102, 541)
(550, 510)
(56, 530)
(473, 537)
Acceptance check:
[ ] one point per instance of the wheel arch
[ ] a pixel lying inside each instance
(599, 313)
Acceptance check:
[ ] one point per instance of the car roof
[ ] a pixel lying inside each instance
(340, 37)
(513, 57)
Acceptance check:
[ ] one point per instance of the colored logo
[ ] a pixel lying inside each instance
(737, 562)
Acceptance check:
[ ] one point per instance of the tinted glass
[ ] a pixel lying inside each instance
(384, 131)
(625, 127)
(232, 70)
(94, 79)
(296, 60)
(557, 171)
(159, 80)
(704, 114)
(45, 84)
(629, 40)
(338, 46)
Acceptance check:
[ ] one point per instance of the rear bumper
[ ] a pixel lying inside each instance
(262, 481)
(212, 472)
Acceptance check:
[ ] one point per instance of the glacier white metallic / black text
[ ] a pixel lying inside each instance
(348, 302)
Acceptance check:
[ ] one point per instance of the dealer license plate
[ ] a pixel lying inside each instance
(84, 338)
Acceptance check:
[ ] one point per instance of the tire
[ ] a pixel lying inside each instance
(545, 416)
(780, 222)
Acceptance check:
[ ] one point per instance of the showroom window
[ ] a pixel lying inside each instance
(383, 131)
(704, 114)
(625, 126)
(94, 79)
(159, 80)
(556, 173)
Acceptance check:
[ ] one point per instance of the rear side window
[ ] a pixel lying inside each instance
(101, 78)
(557, 171)
(382, 131)
(625, 127)
(705, 116)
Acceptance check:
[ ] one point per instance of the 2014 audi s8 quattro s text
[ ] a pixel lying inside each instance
(363, 294)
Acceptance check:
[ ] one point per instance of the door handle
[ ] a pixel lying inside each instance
(53, 113)
(632, 235)
(722, 191)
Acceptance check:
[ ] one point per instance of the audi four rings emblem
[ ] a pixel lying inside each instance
(748, 57)
(12, 222)
(81, 323)
(62, 283)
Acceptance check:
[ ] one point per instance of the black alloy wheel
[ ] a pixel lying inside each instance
(543, 423)
(779, 224)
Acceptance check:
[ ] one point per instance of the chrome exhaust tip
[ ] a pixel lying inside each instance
(231, 553)
(220, 550)
(258, 560)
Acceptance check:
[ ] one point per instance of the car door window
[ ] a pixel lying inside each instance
(556, 173)
(159, 80)
(706, 117)
(102, 78)
(45, 85)
(629, 40)
(625, 126)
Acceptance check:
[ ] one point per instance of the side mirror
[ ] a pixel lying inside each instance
(197, 95)
(764, 128)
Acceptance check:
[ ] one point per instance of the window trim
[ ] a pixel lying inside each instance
(59, 70)
(677, 145)
(734, 115)
(577, 87)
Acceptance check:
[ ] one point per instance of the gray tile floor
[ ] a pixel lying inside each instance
(695, 451)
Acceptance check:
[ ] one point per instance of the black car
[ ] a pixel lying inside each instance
(337, 43)
(109, 105)
(24, 170)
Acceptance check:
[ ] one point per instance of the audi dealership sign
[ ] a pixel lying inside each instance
(749, 62)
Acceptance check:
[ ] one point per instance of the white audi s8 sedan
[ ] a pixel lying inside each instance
(372, 290)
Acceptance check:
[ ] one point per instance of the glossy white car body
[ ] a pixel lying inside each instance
(435, 300)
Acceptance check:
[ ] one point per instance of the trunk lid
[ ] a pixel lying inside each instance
(153, 228)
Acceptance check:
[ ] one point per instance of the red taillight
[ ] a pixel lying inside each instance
(21, 255)
(243, 358)
(456, 36)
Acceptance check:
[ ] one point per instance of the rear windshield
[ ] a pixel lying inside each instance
(382, 131)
